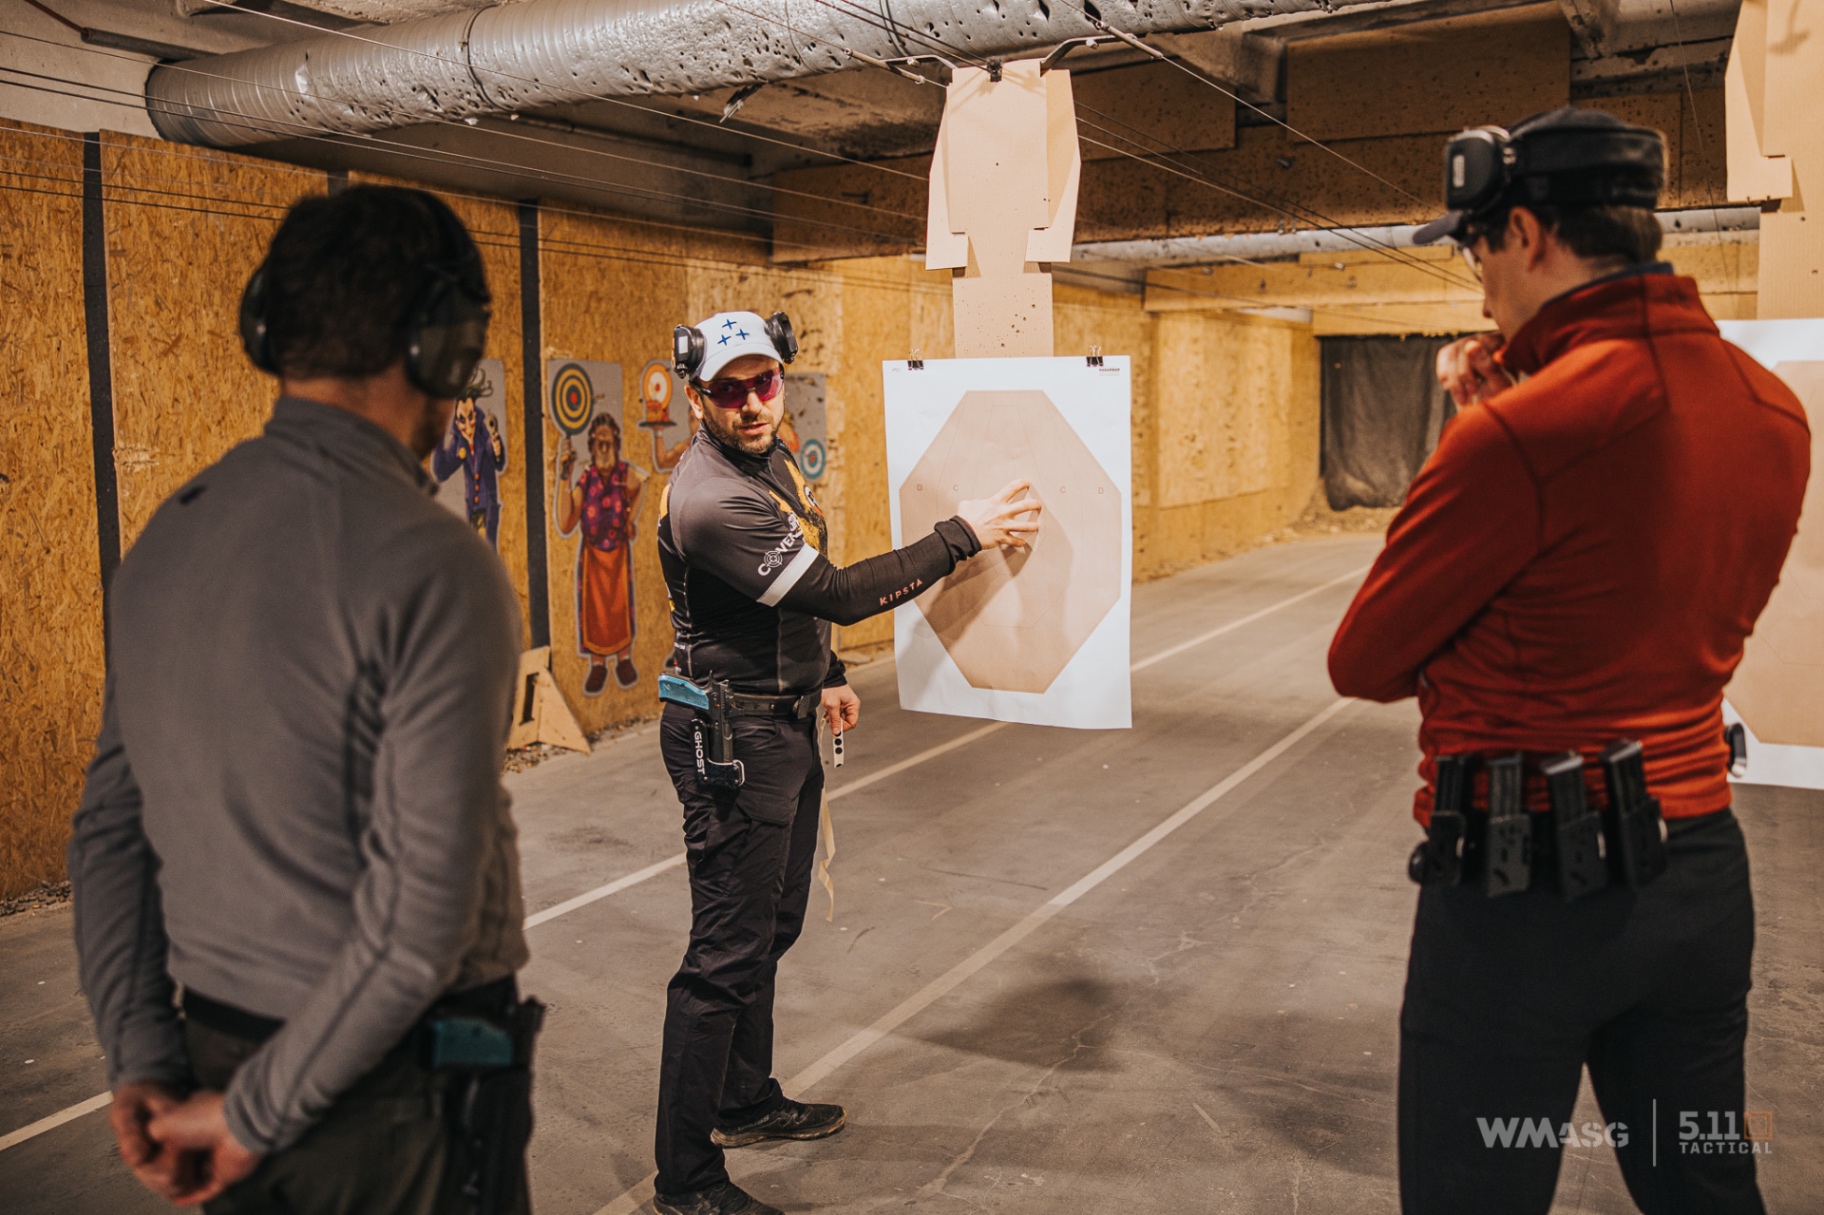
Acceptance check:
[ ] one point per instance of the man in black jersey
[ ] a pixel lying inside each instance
(741, 541)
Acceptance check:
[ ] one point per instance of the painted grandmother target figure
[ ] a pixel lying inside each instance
(605, 500)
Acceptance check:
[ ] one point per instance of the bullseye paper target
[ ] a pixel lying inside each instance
(572, 398)
(655, 385)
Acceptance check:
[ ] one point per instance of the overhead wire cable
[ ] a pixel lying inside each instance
(188, 152)
(747, 183)
(1122, 35)
(1353, 235)
(1697, 126)
(514, 170)
(1309, 216)
(469, 160)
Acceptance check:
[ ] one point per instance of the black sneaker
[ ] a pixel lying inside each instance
(725, 1199)
(792, 1120)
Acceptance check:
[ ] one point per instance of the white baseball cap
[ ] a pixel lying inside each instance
(728, 336)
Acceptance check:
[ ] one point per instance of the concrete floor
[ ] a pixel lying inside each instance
(1212, 1027)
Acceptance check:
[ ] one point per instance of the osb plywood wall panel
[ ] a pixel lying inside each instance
(1431, 76)
(495, 227)
(610, 292)
(1236, 434)
(1120, 324)
(876, 321)
(50, 594)
(185, 229)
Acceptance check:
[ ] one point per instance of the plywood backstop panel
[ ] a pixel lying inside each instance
(186, 227)
(51, 658)
(610, 292)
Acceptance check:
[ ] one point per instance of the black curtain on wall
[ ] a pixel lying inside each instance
(1382, 411)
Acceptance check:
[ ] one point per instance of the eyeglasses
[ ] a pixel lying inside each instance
(1468, 250)
(732, 394)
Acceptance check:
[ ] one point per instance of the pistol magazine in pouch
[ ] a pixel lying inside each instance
(1582, 852)
(1438, 860)
(712, 731)
(1508, 846)
(1636, 830)
(487, 1064)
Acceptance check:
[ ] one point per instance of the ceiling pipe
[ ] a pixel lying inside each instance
(1688, 225)
(522, 56)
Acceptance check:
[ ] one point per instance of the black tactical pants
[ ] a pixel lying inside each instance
(383, 1147)
(750, 855)
(1508, 999)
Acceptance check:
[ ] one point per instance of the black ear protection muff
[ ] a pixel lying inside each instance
(689, 346)
(779, 333)
(254, 337)
(446, 335)
(1584, 164)
(449, 328)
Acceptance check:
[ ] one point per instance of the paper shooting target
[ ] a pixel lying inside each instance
(811, 459)
(572, 399)
(655, 385)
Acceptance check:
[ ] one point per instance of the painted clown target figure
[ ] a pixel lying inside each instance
(475, 446)
(604, 500)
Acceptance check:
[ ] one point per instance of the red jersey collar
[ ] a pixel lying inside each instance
(1626, 306)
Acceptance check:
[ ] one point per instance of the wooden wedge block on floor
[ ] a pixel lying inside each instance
(540, 712)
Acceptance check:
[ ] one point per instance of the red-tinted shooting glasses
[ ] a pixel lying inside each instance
(732, 394)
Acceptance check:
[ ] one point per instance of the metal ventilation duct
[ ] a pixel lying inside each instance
(523, 56)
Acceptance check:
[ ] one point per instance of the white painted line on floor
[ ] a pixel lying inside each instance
(601, 892)
(962, 740)
(672, 862)
(951, 979)
(99, 1101)
(1198, 640)
(930, 753)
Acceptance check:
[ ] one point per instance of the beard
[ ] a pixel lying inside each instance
(728, 433)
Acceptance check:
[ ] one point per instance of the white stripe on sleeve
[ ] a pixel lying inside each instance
(789, 576)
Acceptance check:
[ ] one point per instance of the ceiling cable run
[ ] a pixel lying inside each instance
(884, 240)
(505, 166)
(1309, 215)
(746, 183)
(541, 53)
(1291, 210)
(1096, 19)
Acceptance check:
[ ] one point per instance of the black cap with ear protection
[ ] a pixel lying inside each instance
(1565, 158)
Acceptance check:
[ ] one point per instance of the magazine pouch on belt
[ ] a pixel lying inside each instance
(1636, 831)
(1583, 864)
(1508, 847)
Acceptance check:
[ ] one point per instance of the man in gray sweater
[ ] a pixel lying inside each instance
(294, 811)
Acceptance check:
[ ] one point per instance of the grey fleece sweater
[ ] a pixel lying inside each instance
(295, 802)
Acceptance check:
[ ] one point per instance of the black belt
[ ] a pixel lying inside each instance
(788, 708)
(494, 999)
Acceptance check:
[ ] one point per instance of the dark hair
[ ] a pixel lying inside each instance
(1628, 234)
(347, 273)
(604, 419)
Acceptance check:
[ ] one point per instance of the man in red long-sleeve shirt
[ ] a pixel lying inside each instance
(1579, 563)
